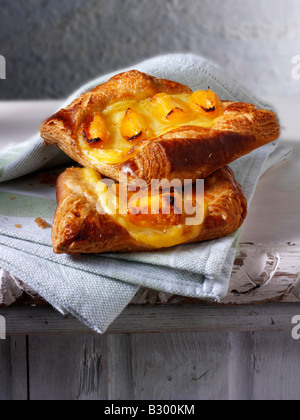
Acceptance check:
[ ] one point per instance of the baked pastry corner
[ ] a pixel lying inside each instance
(79, 228)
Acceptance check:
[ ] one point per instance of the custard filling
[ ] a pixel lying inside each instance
(158, 219)
(112, 135)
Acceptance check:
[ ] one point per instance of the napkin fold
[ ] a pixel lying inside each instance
(96, 288)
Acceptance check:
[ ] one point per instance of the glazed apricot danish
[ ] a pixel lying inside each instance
(146, 128)
(90, 218)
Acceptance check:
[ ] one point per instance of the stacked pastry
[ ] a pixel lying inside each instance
(136, 132)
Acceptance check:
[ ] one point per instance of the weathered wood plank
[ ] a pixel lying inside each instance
(160, 319)
(181, 366)
(276, 367)
(192, 366)
(82, 367)
(67, 368)
(5, 378)
(140, 367)
(120, 371)
(264, 274)
(240, 368)
(13, 369)
(19, 372)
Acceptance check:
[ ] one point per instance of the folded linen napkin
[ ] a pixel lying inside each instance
(96, 288)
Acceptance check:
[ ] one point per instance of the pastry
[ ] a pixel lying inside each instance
(85, 221)
(138, 126)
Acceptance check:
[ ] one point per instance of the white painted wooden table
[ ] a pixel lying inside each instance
(195, 351)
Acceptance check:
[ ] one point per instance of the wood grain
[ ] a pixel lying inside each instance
(161, 319)
(265, 273)
(164, 367)
(172, 367)
(276, 363)
(5, 378)
(80, 367)
(64, 368)
(121, 361)
(13, 369)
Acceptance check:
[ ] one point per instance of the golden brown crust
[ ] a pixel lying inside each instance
(196, 152)
(79, 228)
(227, 205)
(186, 153)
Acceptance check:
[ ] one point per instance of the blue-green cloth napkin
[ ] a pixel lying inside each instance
(97, 288)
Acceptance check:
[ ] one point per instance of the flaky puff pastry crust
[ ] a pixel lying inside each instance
(188, 152)
(78, 228)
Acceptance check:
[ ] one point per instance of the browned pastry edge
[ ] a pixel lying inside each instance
(186, 153)
(78, 228)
